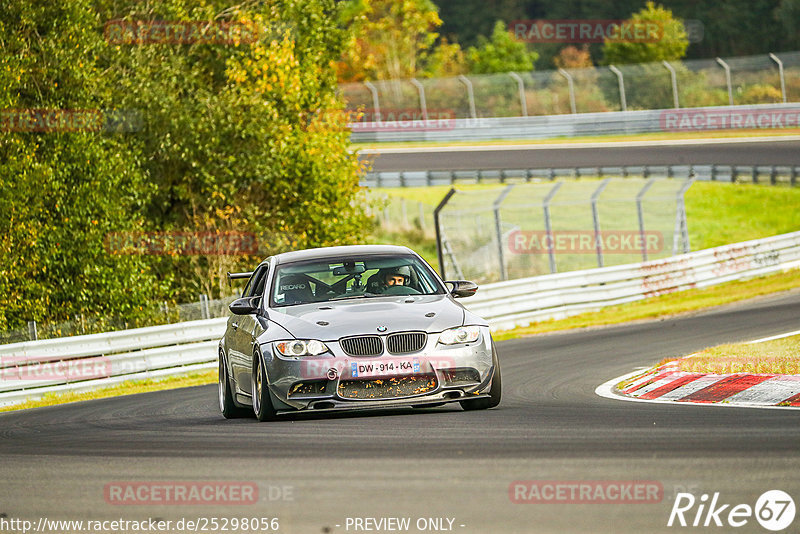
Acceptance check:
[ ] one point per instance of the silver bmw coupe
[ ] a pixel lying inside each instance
(355, 327)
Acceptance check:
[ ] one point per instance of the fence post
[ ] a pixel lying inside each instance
(674, 79)
(423, 106)
(375, 101)
(470, 95)
(421, 208)
(498, 228)
(793, 178)
(727, 79)
(598, 242)
(548, 225)
(33, 334)
(521, 86)
(640, 213)
(436, 224)
(623, 104)
(775, 58)
(681, 226)
(571, 86)
(204, 311)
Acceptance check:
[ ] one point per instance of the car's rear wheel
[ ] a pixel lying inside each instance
(226, 405)
(262, 403)
(495, 392)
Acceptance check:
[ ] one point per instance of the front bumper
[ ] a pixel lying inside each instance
(335, 381)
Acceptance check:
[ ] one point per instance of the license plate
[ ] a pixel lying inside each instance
(384, 367)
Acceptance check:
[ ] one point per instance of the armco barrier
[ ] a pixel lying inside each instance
(31, 369)
(519, 302)
(179, 348)
(571, 125)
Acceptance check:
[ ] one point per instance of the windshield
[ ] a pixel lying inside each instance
(351, 278)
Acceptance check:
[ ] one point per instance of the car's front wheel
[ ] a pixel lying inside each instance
(226, 405)
(262, 403)
(495, 392)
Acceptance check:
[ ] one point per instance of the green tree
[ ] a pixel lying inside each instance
(62, 192)
(389, 39)
(233, 137)
(501, 53)
(671, 44)
(240, 136)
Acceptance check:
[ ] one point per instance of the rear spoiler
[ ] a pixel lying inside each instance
(238, 276)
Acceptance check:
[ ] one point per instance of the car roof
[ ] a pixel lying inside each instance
(337, 252)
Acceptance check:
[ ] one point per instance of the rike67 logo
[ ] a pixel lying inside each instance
(774, 510)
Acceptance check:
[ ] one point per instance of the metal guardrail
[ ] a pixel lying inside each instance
(573, 125)
(179, 348)
(554, 296)
(32, 369)
(757, 174)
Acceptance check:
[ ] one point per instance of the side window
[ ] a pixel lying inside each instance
(255, 286)
(261, 281)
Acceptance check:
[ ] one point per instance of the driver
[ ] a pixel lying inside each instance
(395, 276)
(394, 279)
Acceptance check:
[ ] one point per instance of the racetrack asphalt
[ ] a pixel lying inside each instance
(443, 462)
(776, 151)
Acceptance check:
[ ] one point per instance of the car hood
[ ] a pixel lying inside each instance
(431, 313)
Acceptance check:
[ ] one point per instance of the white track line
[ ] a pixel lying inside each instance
(771, 338)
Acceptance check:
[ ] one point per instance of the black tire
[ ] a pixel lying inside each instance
(495, 392)
(262, 402)
(226, 404)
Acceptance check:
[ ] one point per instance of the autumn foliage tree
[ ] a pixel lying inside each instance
(389, 39)
(227, 140)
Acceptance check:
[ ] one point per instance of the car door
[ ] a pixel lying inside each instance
(242, 336)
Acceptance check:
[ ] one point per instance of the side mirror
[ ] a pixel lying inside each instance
(462, 288)
(245, 305)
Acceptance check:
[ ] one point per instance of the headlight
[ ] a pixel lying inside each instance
(461, 334)
(301, 347)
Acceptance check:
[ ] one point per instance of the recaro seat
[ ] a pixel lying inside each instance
(296, 289)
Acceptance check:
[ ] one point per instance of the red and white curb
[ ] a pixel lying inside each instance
(667, 383)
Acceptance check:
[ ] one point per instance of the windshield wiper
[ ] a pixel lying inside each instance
(360, 295)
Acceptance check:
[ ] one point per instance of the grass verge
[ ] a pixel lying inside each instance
(717, 213)
(197, 378)
(665, 305)
(779, 356)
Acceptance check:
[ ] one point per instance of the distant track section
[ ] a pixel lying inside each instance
(740, 151)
